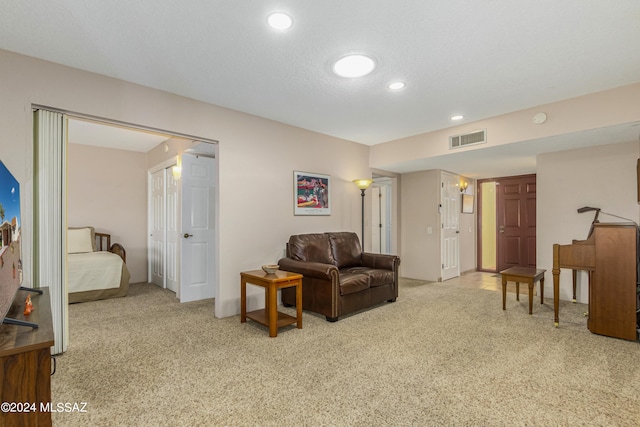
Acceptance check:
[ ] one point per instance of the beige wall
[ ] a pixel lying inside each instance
(419, 198)
(602, 177)
(107, 189)
(257, 158)
(602, 109)
(593, 175)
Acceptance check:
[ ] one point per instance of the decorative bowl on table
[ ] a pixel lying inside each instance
(270, 268)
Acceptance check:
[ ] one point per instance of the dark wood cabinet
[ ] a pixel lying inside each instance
(25, 363)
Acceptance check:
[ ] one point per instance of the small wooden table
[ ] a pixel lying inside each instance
(270, 316)
(528, 275)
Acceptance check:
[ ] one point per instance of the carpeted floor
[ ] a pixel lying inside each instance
(441, 355)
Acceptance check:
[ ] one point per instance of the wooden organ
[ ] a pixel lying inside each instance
(610, 256)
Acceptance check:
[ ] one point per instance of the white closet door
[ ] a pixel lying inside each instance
(50, 218)
(172, 260)
(157, 231)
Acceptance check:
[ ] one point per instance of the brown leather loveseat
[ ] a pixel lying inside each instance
(338, 277)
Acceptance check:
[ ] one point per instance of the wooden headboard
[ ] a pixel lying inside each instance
(103, 243)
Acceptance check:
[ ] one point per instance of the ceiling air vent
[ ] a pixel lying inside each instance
(465, 139)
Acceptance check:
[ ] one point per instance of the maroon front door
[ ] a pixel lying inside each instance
(516, 221)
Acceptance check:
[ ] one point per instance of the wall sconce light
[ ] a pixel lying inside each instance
(362, 184)
(463, 186)
(177, 169)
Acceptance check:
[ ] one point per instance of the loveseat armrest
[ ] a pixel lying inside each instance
(309, 269)
(381, 261)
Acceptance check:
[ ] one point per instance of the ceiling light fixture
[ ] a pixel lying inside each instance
(352, 66)
(280, 21)
(458, 117)
(396, 85)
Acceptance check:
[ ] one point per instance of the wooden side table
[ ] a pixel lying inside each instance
(527, 275)
(270, 316)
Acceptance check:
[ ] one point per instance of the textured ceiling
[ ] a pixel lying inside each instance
(478, 58)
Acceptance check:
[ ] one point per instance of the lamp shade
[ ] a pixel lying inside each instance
(362, 184)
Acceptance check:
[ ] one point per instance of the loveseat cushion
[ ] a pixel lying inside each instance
(345, 249)
(310, 248)
(352, 282)
(376, 277)
(379, 277)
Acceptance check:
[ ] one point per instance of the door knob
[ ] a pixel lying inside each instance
(187, 235)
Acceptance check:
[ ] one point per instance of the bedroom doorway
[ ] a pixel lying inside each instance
(506, 222)
(52, 204)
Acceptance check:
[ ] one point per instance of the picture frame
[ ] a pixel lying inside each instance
(311, 193)
(467, 203)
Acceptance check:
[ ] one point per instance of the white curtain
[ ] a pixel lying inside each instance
(50, 217)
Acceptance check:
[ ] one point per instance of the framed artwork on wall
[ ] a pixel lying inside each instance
(312, 193)
(467, 203)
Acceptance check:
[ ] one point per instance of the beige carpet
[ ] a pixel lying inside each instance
(441, 355)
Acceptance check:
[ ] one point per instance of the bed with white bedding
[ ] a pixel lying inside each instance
(96, 269)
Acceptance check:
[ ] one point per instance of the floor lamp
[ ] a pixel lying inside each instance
(362, 184)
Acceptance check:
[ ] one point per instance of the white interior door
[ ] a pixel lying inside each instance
(198, 233)
(157, 229)
(172, 235)
(449, 215)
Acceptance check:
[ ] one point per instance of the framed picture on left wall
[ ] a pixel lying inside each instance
(312, 193)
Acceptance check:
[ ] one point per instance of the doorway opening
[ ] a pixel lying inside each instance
(506, 222)
(381, 215)
(51, 166)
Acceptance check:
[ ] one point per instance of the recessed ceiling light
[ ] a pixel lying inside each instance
(354, 66)
(279, 21)
(457, 117)
(396, 85)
